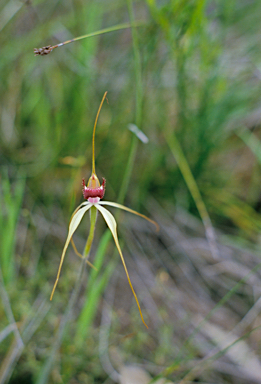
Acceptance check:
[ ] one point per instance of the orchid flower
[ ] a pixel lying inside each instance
(93, 194)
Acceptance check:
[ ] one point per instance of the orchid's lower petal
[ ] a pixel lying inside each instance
(110, 221)
(116, 205)
(74, 223)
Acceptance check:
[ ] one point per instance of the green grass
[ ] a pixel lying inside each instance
(188, 77)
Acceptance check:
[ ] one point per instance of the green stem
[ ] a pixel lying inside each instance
(137, 62)
(138, 112)
(100, 32)
(93, 217)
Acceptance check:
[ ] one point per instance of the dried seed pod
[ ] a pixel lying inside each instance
(43, 51)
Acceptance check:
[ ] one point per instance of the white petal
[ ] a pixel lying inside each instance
(74, 223)
(109, 218)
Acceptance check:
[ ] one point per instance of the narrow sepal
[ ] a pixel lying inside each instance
(116, 205)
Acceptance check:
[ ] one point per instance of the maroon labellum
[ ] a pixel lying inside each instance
(93, 191)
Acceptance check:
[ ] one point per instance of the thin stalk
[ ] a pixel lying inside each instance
(93, 133)
(100, 32)
(93, 218)
(137, 63)
(48, 49)
(138, 105)
(89, 308)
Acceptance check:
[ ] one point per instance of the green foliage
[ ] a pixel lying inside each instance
(188, 77)
(11, 197)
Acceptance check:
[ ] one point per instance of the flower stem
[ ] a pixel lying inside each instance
(93, 217)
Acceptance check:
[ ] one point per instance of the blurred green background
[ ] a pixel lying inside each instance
(188, 75)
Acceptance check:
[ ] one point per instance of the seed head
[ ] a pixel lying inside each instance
(43, 51)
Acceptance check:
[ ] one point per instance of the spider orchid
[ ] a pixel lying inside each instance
(93, 193)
